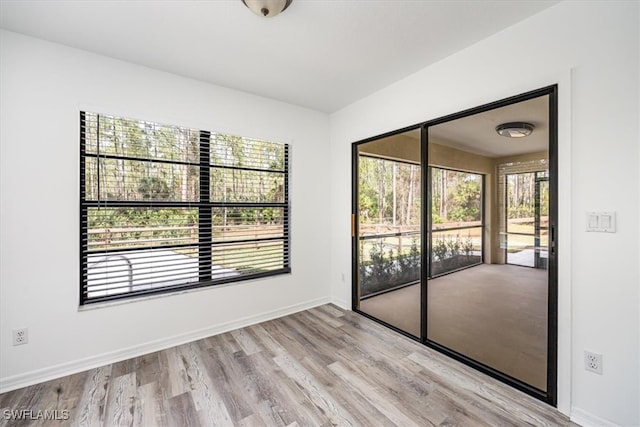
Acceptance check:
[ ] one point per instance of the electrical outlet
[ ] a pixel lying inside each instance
(20, 336)
(593, 362)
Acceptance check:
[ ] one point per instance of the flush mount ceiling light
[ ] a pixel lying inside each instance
(267, 8)
(515, 129)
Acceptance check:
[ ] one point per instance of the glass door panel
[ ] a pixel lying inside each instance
(388, 223)
(527, 210)
(489, 224)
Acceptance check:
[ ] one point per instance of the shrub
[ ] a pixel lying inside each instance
(387, 270)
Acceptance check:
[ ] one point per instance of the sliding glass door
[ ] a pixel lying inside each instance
(453, 227)
(527, 210)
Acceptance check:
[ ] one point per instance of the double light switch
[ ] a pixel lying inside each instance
(604, 222)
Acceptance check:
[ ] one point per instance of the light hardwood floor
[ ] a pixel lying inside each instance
(319, 367)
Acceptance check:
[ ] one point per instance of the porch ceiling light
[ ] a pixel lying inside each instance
(267, 8)
(515, 129)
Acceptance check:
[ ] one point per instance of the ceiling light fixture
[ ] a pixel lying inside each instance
(515, 129)
(267, 8)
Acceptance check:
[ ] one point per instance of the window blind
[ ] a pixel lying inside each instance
(168, 207)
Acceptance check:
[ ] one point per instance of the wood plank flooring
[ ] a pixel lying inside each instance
(319, 367)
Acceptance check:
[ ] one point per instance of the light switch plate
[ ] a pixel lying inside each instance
(593, 221)
(608, 222)
(602, 222)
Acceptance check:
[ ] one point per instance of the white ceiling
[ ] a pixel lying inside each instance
(474, 134)
(320, 54)
(477, 134)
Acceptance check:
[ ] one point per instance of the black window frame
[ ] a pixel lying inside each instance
(205, 206)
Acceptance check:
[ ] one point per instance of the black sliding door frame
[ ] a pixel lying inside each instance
(355, 229)
(550, 394)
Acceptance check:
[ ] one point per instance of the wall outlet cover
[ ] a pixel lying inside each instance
(593, 362)
(20, 336)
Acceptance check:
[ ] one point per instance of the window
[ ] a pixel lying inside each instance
(166, 208)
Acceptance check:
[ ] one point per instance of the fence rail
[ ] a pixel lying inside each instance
(113, 236)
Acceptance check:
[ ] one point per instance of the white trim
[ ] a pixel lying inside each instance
(587, 419)
(91, 362)
(564, 383)
(341, 303)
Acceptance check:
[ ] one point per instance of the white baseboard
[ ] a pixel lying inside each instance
(587, 419)
(341, 303)
(91, 362)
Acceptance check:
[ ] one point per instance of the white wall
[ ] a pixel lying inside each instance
(591, 50)
(43, 86)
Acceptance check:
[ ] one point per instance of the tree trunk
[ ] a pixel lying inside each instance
(394, 175)
(409, 196)
(443, 211)
(184, 184)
